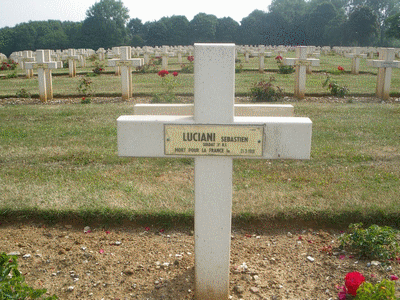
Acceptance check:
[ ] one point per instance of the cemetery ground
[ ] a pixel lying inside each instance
(60, 172)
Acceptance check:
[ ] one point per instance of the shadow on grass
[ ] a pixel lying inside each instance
(168, 219)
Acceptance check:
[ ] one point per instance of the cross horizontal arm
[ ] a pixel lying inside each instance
(261, 110)
(284, 137)
(383, 64)
(45, 65)
(134, 62)
(313, 62)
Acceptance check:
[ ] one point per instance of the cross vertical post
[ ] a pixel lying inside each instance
(41, 76)
(214, 103)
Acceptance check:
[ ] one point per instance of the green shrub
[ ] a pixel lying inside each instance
(285, 69)
(12, 283)
(85, 86)
(150, 67)
(239, 68)
(334, 88)
(383, 290)
(23, 93)
(265, 91)
(11, 75)
(374, 242)
(98, 68)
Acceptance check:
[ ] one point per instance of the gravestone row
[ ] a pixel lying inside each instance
(120, 58)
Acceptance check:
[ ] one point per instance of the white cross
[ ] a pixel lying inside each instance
(101, 53)
(27, 56)
(213, 136)
(301, 62)
(260, 52)
(44, 66)
(385, 64)
(126, 63)
(355, 56)
(72, 58)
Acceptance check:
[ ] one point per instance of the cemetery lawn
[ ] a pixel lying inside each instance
(61, 160)
(59, 172)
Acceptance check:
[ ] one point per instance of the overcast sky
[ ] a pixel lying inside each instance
(19, 11)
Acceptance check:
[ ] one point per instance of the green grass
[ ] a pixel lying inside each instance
(61, 161)
(147, 84)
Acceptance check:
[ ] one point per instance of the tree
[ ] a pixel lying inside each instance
(289, 9)
(156, 33)
(393, 25)
(73, 30)
(317, 22)
(362, 25)
(227, 30)
(105, 24)
(336, 30)
(24, 37)
(253, 28)
(203, 28)
(135, 27)
(6, 41)
(381, 8)
(50, 35)
(291, 18)
(177, 30)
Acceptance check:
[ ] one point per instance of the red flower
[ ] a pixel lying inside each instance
(394, 277)
(175, 74)
(279, 57)
(342, 293)
(340, 68)
(352, 281)
(190, 58)
(162, 73)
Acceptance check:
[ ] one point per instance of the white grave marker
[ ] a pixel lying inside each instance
(27, 56)
(385, 64)
(301, 62)
(101, 53)
(72, 58)
(355, 56)
(213, 136)
(126, 63)
(44, 66)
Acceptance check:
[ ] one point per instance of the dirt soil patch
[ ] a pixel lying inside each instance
(270, 261)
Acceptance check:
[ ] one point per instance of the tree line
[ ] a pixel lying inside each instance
(286, 22)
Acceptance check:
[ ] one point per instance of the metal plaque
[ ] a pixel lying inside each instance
(220, 140)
